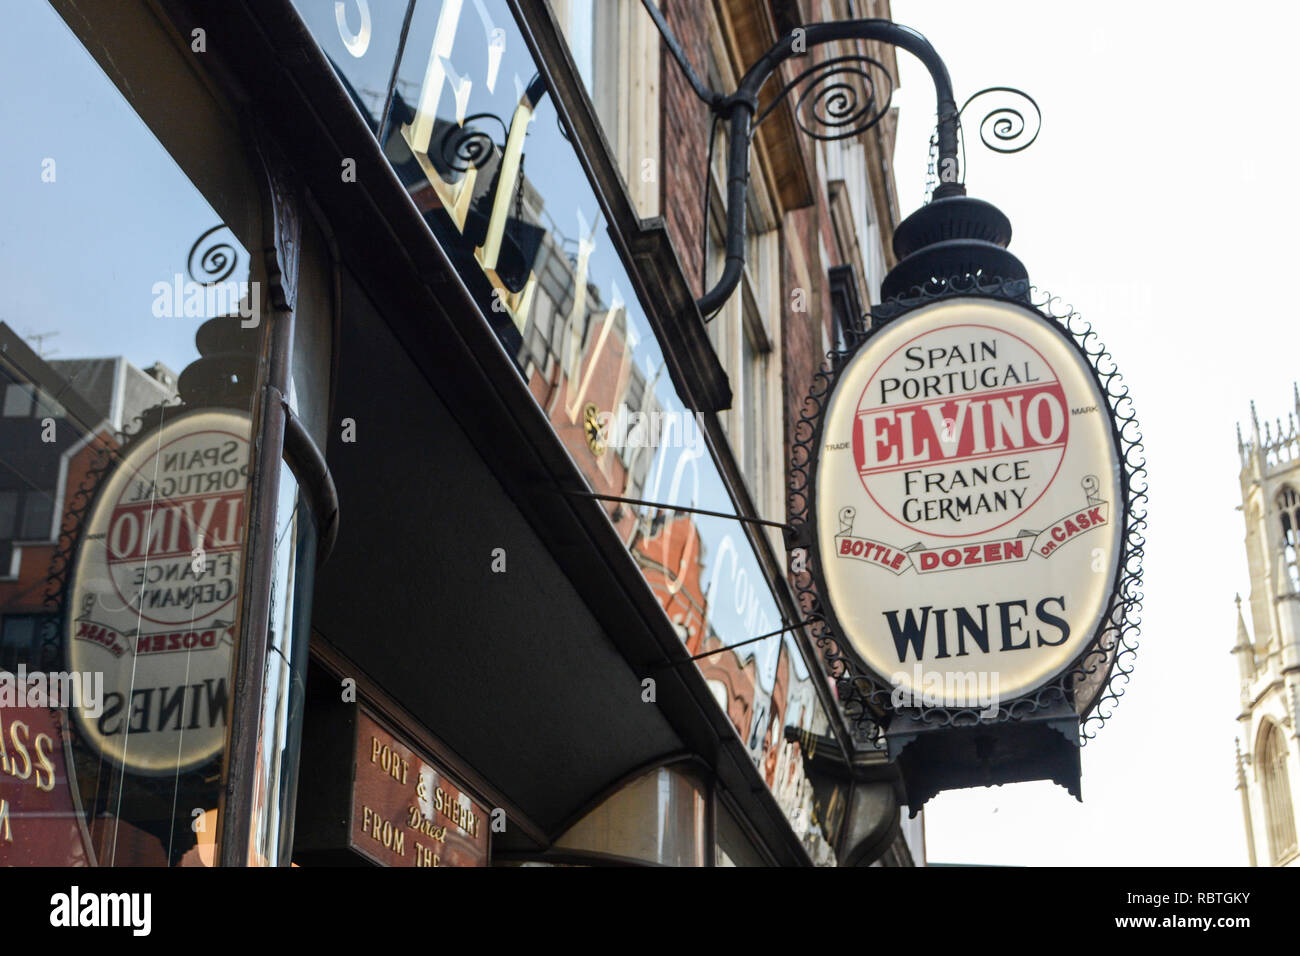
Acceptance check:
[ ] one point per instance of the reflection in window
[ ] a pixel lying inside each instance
(462, 114)
(20, 638)
(18, 400)
(122, 480)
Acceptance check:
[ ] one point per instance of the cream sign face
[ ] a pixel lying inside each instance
(154, 595)
(968, 501)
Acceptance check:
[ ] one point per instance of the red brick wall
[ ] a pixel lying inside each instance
(684, 133)
(685, 127)
(804, 334)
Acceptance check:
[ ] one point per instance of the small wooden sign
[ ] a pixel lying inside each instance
(367, 797)
(406, 810)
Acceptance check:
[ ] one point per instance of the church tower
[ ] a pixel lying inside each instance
(1268, 742)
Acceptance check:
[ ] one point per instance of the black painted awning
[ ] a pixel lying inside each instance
(511, 668)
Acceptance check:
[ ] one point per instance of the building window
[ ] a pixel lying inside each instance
(753, 362)
(8, 514)
(739, 336)
(661, 818)
(38, 511)
(615, 47)
(20, 638)
(1279, 816)
(733, 846)
(26, 515)
(22, 401)
(1288, 504)
(847, 313)
(18, 401)
(747, 326)
(742, 333)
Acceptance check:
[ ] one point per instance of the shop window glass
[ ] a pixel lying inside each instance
(284, 693)
(130, 441)
(658, 818)
(734, 848)
(467, 122)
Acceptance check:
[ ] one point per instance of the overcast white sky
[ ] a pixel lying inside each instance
(1156, 195)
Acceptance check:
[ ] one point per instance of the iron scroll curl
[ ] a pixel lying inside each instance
(468, 146)
(213, 258)
(841, 97)
(1010, 125)
(1006, 127)
(1097, 678)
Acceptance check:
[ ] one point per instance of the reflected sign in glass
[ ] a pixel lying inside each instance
(475, 137)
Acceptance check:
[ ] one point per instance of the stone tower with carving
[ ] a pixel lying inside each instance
(1268, 747)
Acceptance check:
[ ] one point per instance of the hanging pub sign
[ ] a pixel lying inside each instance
(154, 594)
(968, 511)
(965, 502)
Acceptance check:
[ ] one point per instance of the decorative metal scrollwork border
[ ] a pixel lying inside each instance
(1093, 684)
(108, 450)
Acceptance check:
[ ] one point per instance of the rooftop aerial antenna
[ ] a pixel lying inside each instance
(38, 342)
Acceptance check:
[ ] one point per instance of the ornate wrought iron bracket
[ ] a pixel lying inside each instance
(841, 98)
